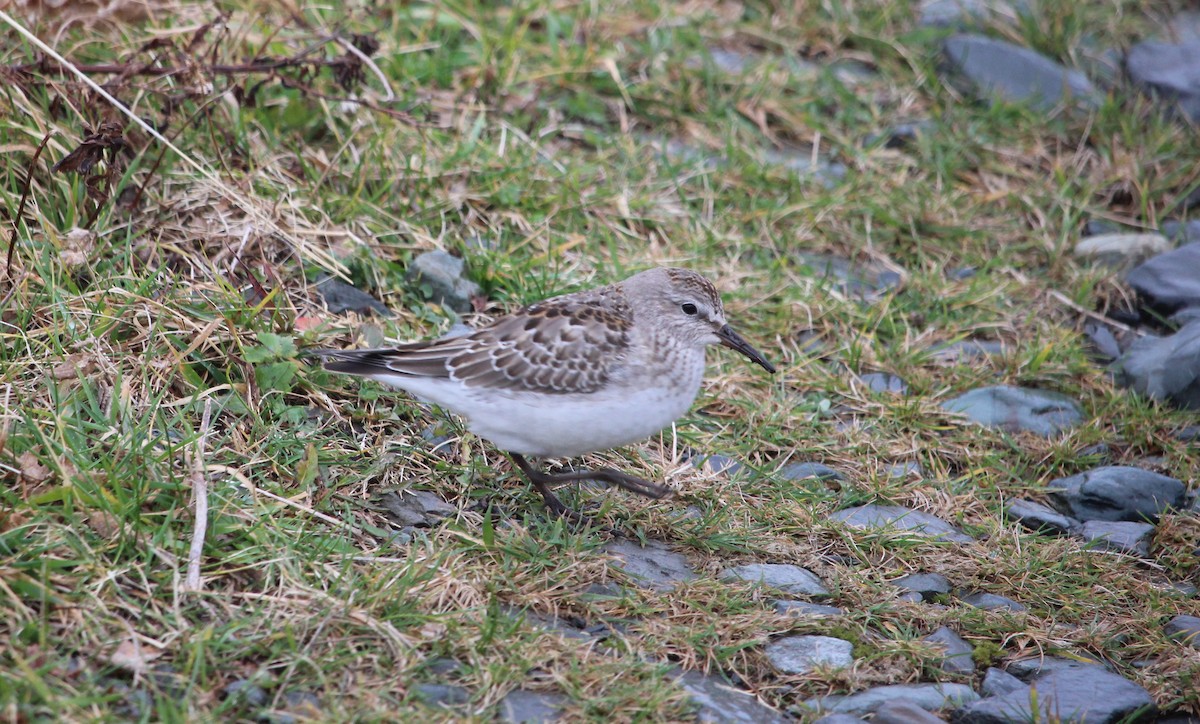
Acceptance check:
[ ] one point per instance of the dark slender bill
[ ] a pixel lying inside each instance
(734, 341)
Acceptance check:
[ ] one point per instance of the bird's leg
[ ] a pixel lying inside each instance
(541, 483)
(633, 484)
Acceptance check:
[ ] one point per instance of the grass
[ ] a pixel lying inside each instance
(532, 140)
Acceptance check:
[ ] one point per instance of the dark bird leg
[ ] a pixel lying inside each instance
(542, 482)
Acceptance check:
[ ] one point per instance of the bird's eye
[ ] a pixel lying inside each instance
(689, 308)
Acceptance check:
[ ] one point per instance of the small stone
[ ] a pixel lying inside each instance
(1029, 669)
(839, 719)
(251, 694)
(967, 350)
(804, 608)
(896, 518)
(959, 14)
(903, 712)
(782, 576)
(901, 135)
(961, 273)
(440, 275)
(957, 659)
(1168, 281)
(717, 702)
(930, 697)
(1166, 368)
(340, 297)
(1117, 492)
(655, 567)
(882, 382)
(729, 61)
(1132, 538)
(522, 706)
(1007, 72)
(1170, 71)
(1016, 409)
(443, 666)
(1186, 629)
(718, 464)
(991, 602)
(444, 695)
(1085, 694)
(903, 470)
(415, 507)
(801, 471)
(803, 654)
(928, 585)
(1118, 250)
(1179, 232)
(865, 281)
(1039, 518)
(997, 682)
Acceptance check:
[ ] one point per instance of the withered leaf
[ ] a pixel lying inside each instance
(108, 137)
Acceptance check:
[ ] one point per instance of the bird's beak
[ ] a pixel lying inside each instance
(734, 341)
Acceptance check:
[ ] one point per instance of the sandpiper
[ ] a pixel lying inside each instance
(570, 375)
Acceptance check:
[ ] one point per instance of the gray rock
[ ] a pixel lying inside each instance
(904, 470)
(903, 712)
(716, 701)
(443, 666)
(863, 281)
(901, 135)
(1030, 669)
(961, 273)
(957, 659)
(1038, 517)
(1169, 281)
(839, 719)
(1117, 492)
(444, 695)
(655, 567)
(1007, 72)
(997, 682)
(730, 61)
(340, 297)
(248, 692)
(420, 508)
(897, 518)
(1103, 340)
(1186, 629)
(1124, 537)
(959, 14)
(805, 163)
(1016, 409)
(802, 654)
(990, 601)
(804, 608)
(1180, 232)
(1170, 71)
(885, 382)
(440, 277)
(930, 697)
(967, 349)
(1166, 368)
(800, 471)
(1121, 250)
(785, 577)
(719, 464)
(522, 706)
(929, 585)
(1088, 694)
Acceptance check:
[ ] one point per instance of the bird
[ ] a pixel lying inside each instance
(569, 375)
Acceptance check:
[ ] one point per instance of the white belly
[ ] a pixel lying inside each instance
(568, 425)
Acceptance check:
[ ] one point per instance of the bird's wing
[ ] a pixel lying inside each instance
(564, 345)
